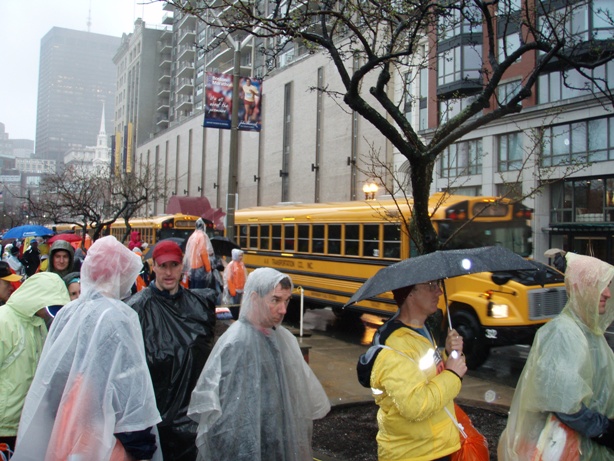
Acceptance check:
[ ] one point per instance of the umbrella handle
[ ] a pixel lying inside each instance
(445, 299)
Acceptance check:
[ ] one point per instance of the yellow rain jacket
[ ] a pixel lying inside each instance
(570, 364)
(22, 334)
(413, 424)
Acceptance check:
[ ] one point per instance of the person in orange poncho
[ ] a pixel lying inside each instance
(235, 275)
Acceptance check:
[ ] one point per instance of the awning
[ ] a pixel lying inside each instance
(581, 227)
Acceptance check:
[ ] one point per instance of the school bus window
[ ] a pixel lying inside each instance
(242, 236)
(392, 241)
(318, 238)
(289, 237)
(303, 238)
(370, 240)
(334, 239)
(253, 236)
(264, 237)
(276, 237)
(352, 239)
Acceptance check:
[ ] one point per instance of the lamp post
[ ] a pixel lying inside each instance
(370, 189)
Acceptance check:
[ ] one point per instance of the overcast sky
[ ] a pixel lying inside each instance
(25, 22)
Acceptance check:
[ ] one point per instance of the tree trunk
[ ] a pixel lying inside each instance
(422, 231)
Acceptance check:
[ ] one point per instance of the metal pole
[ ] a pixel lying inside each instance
(302, 304)
(231, 197)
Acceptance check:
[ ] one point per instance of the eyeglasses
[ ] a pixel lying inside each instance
(434, 285)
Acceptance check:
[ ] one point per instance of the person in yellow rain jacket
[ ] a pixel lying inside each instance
(414, 384)
(235, 275)
(22, 334)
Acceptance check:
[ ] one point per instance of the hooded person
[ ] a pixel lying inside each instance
(135, 240)
(564, 401)
(256, 398)
(61, 258)
(22, 334)
(197, 259)
(92, 398)
(235, 275)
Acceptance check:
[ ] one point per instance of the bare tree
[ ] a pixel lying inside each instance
(376, 40)
(95, 199)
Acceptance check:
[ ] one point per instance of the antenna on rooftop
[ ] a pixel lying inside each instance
(89, 18)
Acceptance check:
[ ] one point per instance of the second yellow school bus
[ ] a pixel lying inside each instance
(330, 249)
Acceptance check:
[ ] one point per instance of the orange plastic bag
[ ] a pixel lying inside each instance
(474, 446)
(557, 442)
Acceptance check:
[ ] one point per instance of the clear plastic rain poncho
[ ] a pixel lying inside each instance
(570, 364)
(257, 397)
(92, 380)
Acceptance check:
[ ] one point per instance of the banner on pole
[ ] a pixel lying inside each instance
(218, 102)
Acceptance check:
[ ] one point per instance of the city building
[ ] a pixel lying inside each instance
(14, 147)
(137, 61)
(311, 147)
(76, 75)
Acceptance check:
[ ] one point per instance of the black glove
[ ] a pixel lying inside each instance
(607, 438)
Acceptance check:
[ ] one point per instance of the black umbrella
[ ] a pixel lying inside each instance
(223, 246)
(440, 265)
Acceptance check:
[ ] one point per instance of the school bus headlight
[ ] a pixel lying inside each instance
(498, 311)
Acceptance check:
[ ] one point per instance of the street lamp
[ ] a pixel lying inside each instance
(370, 189)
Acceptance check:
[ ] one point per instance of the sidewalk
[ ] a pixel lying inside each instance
(334, 363)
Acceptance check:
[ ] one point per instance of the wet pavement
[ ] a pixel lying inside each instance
(334, 363)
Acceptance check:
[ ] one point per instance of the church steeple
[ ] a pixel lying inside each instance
(103, 133)
(103, 152)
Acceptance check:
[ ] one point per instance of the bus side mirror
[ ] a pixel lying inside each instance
(540, 277)
(500, 278)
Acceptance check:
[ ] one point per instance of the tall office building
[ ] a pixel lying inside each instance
(76, 75)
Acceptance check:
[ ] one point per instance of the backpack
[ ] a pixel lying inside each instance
(367, 360)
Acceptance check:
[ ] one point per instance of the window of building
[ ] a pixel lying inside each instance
(506, 91)
(582, 200)
(459, 63)
(588, 140)
(555, 86)
(459, 21)
(508, 6)
(461, 159)
(510, 151)
(450, 108)
(511, 190)
(507, 45)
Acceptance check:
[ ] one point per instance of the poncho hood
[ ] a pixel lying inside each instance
(40, 290)
(260, 282)
(585, 279)
(57, 246)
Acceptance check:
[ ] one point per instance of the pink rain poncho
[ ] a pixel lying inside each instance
(92, 380)
(256, 397)
(570, 365)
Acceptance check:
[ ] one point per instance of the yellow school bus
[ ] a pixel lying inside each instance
(330, 249)
(152, 229)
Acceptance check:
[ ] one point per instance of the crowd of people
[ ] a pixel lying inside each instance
(93, 369)
(96, 369)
